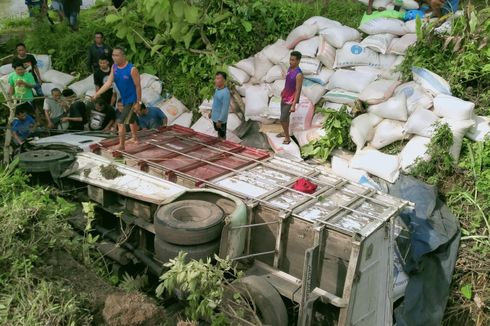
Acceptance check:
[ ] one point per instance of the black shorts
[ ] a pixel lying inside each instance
(221, 131)
(127, 115)
(285, 113)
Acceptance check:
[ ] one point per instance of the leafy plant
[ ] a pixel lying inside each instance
(336, 128)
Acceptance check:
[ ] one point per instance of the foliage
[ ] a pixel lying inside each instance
(462, 57)
(441, 163)
(336, 128)
(32, 225)
(201, 285)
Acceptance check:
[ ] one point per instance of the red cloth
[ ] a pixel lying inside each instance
(305, 186)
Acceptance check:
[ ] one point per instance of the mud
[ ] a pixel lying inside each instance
(110, 172)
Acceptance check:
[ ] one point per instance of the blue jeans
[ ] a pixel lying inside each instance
(39, 90)
(72, 19)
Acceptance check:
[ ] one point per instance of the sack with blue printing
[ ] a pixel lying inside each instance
(431, 82)
(356, 54)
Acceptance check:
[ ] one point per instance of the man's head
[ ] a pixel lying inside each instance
(220, 79)
(19, 68)
(100, 104)
(119, 55)
(104, 62)
(143, 109)
(20, 112)
(56, 94)
(21, 50)
(294, 59)
(99, 38)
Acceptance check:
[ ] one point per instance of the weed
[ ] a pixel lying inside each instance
(110, 172)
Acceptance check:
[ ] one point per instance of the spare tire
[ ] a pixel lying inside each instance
(189, 222)
(270, 308)
(43, 160)
(165, 251)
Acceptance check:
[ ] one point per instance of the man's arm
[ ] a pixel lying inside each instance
(106, 85)
(46, 114)
(109, 126)
(137, 83)
(17, 138)
(297, 93)
(38, 74)
(225, 106)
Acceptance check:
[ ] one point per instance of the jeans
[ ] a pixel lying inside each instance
(39, 90)
(72, 19)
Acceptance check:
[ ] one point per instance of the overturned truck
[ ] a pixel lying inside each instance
(330, 253)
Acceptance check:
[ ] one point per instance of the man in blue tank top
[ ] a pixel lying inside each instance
(127, 79)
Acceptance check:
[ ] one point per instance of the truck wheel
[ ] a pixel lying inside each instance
(165, 251)
(268, 302)
(42, 160)
(189, 222)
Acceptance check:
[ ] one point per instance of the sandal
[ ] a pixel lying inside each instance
(286, 142)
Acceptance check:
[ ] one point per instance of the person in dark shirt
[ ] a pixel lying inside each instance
(102, 117)
(30, 64)
(71, 9)
(101, 75)
(151, 118)
(96, 51)
(75, 113)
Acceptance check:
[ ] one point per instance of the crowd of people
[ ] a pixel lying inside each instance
(116, 105)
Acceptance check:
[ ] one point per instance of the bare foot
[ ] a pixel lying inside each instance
(133, 140)
(121, 148)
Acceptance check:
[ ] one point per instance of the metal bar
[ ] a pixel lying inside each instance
(252, 225)
(349, 281)
(254, 255)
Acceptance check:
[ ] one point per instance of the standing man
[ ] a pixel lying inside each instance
(221, 104)
(101, 74)
(290, 94)
(71, 9)
(96, 51)
(127, 79)
(30, 64)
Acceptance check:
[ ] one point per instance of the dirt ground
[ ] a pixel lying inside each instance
(110, 305)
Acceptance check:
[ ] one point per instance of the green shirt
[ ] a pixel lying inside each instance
(22, 92)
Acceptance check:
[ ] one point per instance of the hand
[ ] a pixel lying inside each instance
(293, 108)
(20, 83)
(65, 119)
(137, 107)
(50, 125)
(218, 124)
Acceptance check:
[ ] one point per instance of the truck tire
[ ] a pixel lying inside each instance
(165, 251)
(270, 308)
(43, 160)
(189, 222)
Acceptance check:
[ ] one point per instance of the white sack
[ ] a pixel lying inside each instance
(277, 87)
(43, 62)
(309, 66)
(322, 77)
(378, 91)
(184, 120)
(326, 52)
(256, 101)
(233, 122)
(341, 96)
(242, 89)
(290, 151)
(322, 22)
(459, 129)
(417, 97)
(149, 96)
(378, 42)
(340, 166)
(276, 52)
(300, 33)
(319, 118)
(421, 123)
(57, 77)
(146, 80)
(387, 132)
(274, 74)
(337, 36)
(414, 149)
(386, 74)
(205, 126)
(262, 65)
(6, 69)
(308, 48)
(395, 108)
(247, 65)
(238, 75)
(48, 87)
(401, 45)
(383, 26)
(411, 26)
(379, 164)
(333, 106)
(301, 118)
(355, 54)
(349, 80)
(83, 86)
(446, 106)
(273, 111)
(430, 81)
(480, 130)
(407, 4)
(172, 108)
(313, 92)
(362, 129)
(378, 3)
(387, 61)
(306, 136)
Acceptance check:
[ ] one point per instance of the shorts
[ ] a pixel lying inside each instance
(127, 115)
(221, 131)
(285, 113)
(57, 5)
